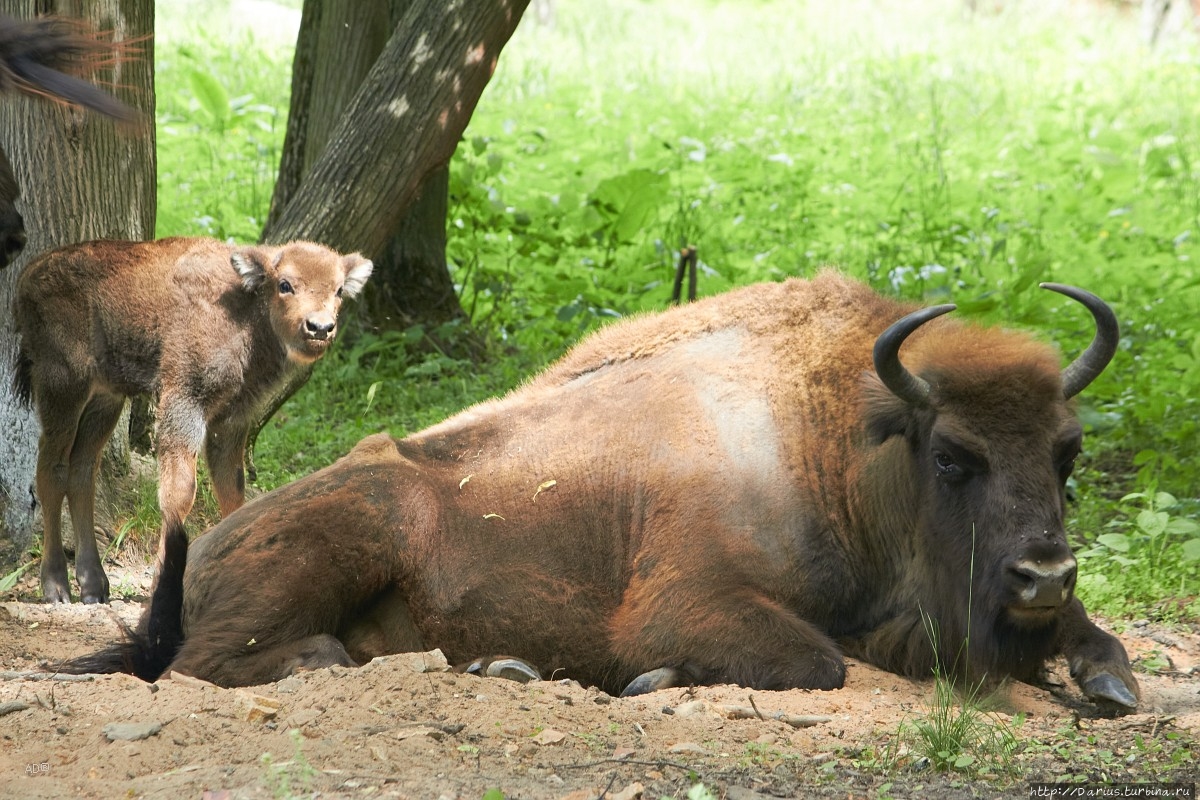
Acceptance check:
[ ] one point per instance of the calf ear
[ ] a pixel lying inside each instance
(358, 269)
(250, 263)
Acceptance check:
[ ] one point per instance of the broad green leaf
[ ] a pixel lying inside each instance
(1152, 523)
(1115, 541)
(1191, 550)
(211, 94)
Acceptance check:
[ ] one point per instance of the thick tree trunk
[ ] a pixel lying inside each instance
(81, 177)
(403, 123)
(335, 50)
(370, 174)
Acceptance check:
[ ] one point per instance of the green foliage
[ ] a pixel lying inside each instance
(1151, 550)
(935, 156)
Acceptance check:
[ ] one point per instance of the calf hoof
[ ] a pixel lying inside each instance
(1106, 688)
(93, 590)
(513, 669)
(652, 681)
(55, 588)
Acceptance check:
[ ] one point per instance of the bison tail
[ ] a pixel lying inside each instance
(22, 379)
(147, 651)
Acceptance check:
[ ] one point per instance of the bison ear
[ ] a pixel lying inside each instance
(250, 263)
(358, 269)
(884, 414)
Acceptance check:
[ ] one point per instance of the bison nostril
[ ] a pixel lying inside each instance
(318, 330)
(1042, 585)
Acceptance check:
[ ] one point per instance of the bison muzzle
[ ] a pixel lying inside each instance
(740, 490)
(208, 328)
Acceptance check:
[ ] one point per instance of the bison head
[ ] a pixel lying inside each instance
(303, 285)
(992, 438)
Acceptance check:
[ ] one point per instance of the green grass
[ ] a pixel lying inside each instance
(933, 155)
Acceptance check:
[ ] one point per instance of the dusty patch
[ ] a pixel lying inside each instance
(394, 729)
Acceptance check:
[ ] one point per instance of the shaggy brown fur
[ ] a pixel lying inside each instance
(211, 329)
(716, 489)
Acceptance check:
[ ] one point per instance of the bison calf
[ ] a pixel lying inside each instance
(210, 328)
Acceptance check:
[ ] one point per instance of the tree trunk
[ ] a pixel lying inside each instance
(81, 177)
(403, 123)
(370, 174)
(335, 50)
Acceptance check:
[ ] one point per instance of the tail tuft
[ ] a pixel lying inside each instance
(147, 651)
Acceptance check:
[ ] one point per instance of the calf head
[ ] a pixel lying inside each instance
(303, 285)
(992, 437)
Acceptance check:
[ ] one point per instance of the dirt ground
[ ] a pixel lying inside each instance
(399, 727)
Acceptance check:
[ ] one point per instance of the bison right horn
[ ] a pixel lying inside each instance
(901, 382)
(1088, 366)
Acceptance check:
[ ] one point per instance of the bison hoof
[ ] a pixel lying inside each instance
(512, 669)
(1107, 688)
(652, 681)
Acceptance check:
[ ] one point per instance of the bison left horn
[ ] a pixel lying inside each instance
(1092, 362)
(1075, 378)
(895, 377)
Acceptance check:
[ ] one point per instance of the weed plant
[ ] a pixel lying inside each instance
(935, 155)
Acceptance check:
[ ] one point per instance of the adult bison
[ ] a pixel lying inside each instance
(725, 492)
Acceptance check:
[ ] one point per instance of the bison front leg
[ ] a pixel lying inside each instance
(1097, 660)
(739, 635)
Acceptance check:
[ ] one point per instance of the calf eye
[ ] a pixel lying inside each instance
(1066, 468)
(339, 291)
(285, 287)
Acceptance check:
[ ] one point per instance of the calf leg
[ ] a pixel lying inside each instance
(59, 409)
(180, 430)
(225, 450)
(95, 426)
(738, 636)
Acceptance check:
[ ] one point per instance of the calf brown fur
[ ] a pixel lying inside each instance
(210, 328)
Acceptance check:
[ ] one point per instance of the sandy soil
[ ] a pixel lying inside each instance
(399, 727)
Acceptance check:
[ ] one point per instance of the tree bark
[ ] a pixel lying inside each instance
(403, 123)
(81, 177)
(371, 174)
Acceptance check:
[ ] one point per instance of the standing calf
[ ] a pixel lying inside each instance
(211, 328)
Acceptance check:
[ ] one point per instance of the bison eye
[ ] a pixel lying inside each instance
(285, 287)
(339, 291)
(1066, 468)
(946, 466)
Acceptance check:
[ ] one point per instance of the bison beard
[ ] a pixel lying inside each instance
(738, 490)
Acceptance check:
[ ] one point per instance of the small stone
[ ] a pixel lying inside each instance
(687, 747)
(131, 731)
(691, 709)
(289, 685)
(255, 707)
(549, 737)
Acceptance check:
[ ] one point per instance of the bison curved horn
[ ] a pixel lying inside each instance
(895, 377)
(1088, 366)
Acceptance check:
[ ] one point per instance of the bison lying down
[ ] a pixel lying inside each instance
(210, 328)
(725, 492)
